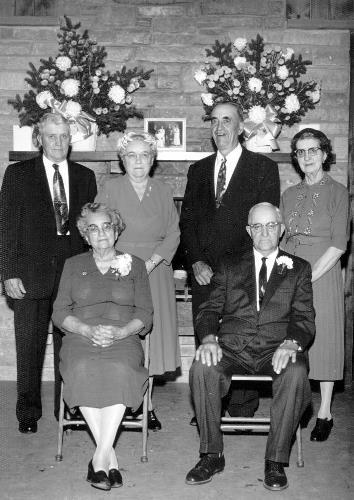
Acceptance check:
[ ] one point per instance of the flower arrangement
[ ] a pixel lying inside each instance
(121, 265)
(76, 84)
(265, 82)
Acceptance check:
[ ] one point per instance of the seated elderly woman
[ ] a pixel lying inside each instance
(103, 306)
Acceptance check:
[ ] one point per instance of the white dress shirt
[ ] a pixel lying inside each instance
(258, 263)
(64, 172)
(231, 163)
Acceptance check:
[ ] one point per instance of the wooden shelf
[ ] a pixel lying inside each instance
(97, 156)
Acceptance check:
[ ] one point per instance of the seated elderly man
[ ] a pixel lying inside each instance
(259, 319)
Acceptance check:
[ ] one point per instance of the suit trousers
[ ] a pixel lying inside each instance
(242, 401)
(31, 320)
(291, 396)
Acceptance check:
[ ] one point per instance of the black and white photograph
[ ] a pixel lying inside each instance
(170, 133)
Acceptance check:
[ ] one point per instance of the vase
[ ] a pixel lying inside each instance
(88, 144)
(22, 139)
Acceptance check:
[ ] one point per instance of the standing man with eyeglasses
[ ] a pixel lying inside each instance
(39, 202)
(220, 191)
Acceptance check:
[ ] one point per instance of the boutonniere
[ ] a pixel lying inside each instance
(284, 262)
(121, 265)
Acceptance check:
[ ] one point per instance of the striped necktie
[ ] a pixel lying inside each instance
(262, 280)
(220, 184)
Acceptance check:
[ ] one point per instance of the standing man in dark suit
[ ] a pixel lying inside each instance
(39, 202)
(220, 191)
(259, 319)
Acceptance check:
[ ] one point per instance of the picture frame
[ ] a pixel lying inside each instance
(170, 133)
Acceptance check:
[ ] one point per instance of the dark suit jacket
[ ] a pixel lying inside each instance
(27, 223)
(286, 312)
(206, 232)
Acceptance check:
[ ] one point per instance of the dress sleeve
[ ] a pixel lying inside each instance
(168, 246)
(63, 304)
(340, 219)
(142, 295)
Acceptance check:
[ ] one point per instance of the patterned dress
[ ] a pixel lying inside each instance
(152, 226)
(316, 218)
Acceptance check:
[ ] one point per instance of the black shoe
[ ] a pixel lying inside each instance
(274, 476)
(115, 478)
(207, 466)
(153, 422)
(193, 421)
(322, 429)
(98, 479)
(28, 427)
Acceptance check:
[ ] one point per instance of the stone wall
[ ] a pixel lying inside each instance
(171, 38)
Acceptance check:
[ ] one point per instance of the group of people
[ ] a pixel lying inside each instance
(168, 136)
(267, 292)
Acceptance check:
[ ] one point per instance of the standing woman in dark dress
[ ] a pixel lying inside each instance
(103, 305)
(316, 215)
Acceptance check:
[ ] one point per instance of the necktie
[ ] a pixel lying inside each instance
(60, 203)
(220, 184)
(262, 281)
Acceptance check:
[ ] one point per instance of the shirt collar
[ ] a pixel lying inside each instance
(48, 163)
(270, 258)
(232, 157)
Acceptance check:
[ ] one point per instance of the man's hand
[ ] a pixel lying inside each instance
(202, 272)
(209, 352)
(14, 288)
(285, 351)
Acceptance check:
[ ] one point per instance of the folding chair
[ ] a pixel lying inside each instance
(141, 422)
(259, 424)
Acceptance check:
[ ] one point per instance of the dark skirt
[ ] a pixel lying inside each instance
(97, 377)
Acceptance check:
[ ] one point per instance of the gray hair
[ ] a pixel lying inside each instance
(136, 136)
(278, 213)
(92, 208)
(49, 117)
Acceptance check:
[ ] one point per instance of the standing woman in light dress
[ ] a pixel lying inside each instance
(316, 215)
(152, 233)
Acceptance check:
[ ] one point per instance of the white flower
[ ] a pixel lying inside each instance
(257, 114)
(315, 96)
(240, 43)
(285, 261)
(207, 99)
(282, 72)
(255, 84)
(116, 93)
(240, 61)
(288, 53)
(121, 265)
(73, 108)
(70, 87)
(211, 84)
(200, 76)
(42, 99)
(292, 103)
(63, 63)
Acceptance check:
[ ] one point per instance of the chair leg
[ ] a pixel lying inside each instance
(144, 457)
(300, 458)
(59, 455)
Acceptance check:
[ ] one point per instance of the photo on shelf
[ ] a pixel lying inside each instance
(170, 133)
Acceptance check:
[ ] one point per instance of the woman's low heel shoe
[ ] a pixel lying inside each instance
(115, 478)
(322, 429)
(98, 479)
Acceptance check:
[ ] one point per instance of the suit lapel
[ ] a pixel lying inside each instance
(275, 278)
(73, 185)
(249, 278)
(43, 187)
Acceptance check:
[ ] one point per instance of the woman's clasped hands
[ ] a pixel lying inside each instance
(105, 335)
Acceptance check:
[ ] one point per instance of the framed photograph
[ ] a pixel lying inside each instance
(170, 133)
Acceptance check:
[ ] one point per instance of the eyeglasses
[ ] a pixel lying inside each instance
(270, 226)
(144, 157)
(301, 153)
(106, 228)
